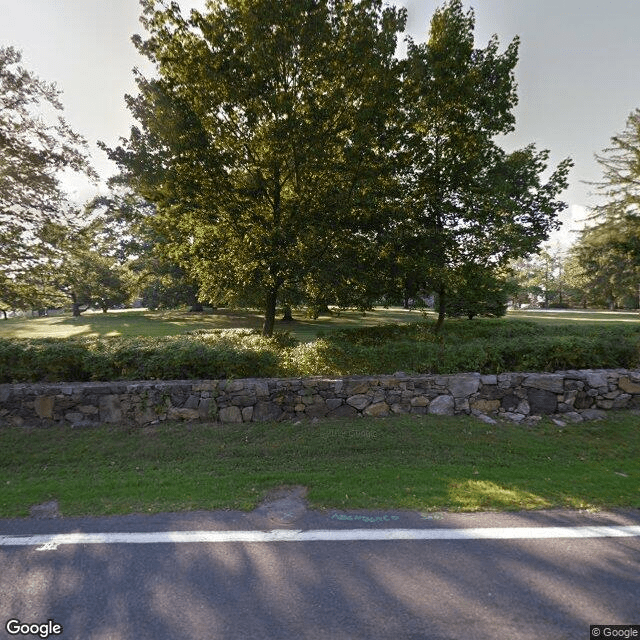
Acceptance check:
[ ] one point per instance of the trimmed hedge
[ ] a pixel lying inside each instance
(210, 355)
(486, 346)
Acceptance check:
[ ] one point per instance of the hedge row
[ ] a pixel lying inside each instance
(221, 354)
(486, 346)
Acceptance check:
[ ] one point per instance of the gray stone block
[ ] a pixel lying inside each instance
(593, 414)
(110, 409)
(264, 411)
(344, 411)
(359, 401)
(377, 410)
(230, 414)
(513, 416)
(463, 386)
(317, 410)
(542, 402)
(442, 406)
(596, 379)
(546, 381)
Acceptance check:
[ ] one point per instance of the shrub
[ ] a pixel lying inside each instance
(45, 359)
(486, 346)
(175, 357)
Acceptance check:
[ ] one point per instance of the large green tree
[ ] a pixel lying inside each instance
(541, 279)
(34, 151)
(620, 162)
(78, 266)
(469, 205)
(264, 142)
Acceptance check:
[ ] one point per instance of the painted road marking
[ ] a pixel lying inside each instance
(46, 542)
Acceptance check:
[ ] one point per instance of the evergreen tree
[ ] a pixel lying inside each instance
(608, 249)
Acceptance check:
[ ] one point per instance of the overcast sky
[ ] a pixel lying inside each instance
(578, 74)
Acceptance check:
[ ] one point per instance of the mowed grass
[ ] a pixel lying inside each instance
(574, 316)
(139, 322)
(427, 463)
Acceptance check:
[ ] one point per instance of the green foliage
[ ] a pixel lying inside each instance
(125, 233)
(292, 159)
(478, 292)
(468, 203)
(33, 153)
(486, 346)
(262, 142)
(607, 260)
(44, 359)
(606, 257)
(205, 355)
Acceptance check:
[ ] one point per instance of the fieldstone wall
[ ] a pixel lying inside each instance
(571, 396)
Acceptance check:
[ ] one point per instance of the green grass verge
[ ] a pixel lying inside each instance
(427, 463)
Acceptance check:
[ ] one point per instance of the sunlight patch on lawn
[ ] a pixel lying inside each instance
(475, 495)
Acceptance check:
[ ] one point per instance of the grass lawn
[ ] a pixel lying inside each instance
(560, 316)
(138, 322)
(421, 463)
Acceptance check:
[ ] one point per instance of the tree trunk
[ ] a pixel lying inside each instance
(442, 309)
(287, 317)
(75, 306)
(410, 291)
(4, 311)
(270, 312)
(196, 307)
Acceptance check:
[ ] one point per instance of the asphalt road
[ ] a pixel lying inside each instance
(454, 589)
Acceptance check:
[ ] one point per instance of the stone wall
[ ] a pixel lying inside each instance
(568, 395)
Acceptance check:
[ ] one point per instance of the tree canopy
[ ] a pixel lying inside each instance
(291, 157)
(469, 205)
(607, 251)
(33, 153)
(263, 142)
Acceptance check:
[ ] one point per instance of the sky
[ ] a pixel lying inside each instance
(578, 73)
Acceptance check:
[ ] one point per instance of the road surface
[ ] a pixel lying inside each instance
(285, 572)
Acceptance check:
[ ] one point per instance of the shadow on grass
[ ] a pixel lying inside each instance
(141, 322)
(377, 590)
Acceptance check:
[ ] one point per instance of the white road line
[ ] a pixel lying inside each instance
(46, 542)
